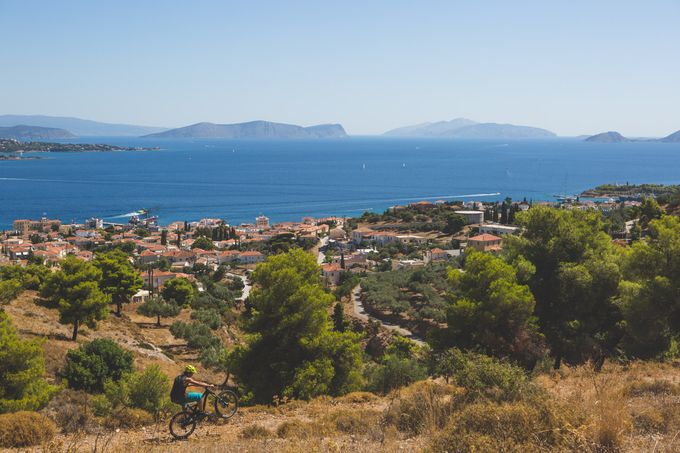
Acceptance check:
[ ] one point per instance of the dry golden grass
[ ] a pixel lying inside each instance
(24, 429)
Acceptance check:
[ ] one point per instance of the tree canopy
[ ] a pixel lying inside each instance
(120, 279)
(22, 366)
(74, 291)
(292, 349)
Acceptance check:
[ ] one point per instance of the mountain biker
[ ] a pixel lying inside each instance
(179, 394)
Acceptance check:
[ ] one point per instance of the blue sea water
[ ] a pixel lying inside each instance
(288, 179)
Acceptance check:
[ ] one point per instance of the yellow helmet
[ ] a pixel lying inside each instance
(190, 369)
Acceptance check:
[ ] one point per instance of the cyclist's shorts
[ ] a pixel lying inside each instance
(193, 396)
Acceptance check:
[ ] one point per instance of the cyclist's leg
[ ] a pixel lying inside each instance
(194, 397)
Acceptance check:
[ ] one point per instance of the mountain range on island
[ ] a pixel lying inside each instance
(23, 132)
(253, 129)
(616, 137)
(466, 128)
(79, 127)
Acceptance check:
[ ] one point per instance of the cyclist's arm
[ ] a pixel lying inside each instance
(198, 383)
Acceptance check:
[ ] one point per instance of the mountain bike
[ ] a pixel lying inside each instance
(183, 423)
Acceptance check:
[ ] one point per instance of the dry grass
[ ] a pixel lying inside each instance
(424, 407)
(24, 429)
(256, 432)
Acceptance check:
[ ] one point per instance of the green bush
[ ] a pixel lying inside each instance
(9, 290)
(196, 334)
(25, 429)
(483, 376)
(208, 316)
(22, 366)
(149, 389)
(101, 406)
(93, 363)
(394, 372)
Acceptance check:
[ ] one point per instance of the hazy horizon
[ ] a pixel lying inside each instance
(577, 68)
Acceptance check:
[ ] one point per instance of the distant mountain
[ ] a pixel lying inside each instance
(608, 137)
(430, 129)
(253, 129)
(79, 127)
(673, 138)
(465, 128)
(22, 132)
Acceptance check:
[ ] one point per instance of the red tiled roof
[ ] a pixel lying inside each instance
(485, 237)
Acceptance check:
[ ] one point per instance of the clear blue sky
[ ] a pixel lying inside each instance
(574, 67)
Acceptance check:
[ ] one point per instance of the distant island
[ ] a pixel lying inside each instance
(78, 126)
(615, 137)
(24, 132)
(253, 129)
(466, 128)
(607, 137)
(13, 146)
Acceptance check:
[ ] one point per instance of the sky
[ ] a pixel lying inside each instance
(574, 67)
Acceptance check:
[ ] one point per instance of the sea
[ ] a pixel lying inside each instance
(237, 180)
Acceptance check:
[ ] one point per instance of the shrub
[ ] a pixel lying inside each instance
(127, 417)
(394, 372)
(22, 366)
(424, 406)
(356, 421)
(25, 429)
(297, 429)
(197, 335)
(656, 387)
(483, 376)
(89, 366)
(208, 316)
(255, 432)
(70, 409)
(490, 426)
(149, 389)
(101, 406)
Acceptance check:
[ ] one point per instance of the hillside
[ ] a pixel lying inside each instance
(607, 137)
(22, 132)
(253, 129)
(673, 138)
(465, 128)
(632, 408)
(78, 126)
(430, 129)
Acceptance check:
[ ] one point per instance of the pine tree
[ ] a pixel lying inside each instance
(339, 322)
(74, 291)
(158, 307)
(22, 366)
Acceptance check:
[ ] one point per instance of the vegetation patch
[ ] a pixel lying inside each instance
(25, 429)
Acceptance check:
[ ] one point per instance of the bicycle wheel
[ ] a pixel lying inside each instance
(182, 424)
(225, 403)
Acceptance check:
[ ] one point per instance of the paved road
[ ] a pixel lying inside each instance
(322, 255)
(360, 313)
(246, 285)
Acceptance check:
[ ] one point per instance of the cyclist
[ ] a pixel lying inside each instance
(179, 394)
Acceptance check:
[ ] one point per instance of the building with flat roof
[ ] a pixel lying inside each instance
(472, 217)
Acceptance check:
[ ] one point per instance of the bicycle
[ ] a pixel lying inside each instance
(183, 423)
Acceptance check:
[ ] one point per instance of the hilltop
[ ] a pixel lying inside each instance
(23, 132)
(78, 126)
(465, 128)
(607, 137)
(253, 129)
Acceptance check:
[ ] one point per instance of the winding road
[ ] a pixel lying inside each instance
(360, 313)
